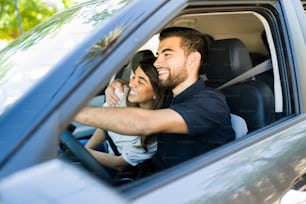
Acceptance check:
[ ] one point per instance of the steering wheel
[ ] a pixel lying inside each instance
(85, 158)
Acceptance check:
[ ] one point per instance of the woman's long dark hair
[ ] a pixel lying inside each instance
(148, 68)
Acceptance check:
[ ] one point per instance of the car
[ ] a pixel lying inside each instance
(51, 72)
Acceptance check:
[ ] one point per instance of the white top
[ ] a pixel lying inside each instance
(130, 146)
(239, 126)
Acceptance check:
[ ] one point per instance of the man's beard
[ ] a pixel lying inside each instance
(173, 80)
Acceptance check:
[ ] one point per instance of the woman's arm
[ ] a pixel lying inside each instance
(109, 160)
(96, 139)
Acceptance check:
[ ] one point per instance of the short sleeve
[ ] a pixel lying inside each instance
(203, 112)
(134, 153)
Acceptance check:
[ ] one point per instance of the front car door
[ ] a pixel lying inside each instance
(262, 166)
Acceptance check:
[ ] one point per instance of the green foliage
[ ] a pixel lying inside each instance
(32, 12)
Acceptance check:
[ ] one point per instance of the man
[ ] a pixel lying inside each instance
(194, 118)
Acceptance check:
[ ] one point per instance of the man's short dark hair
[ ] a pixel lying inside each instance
(192, 40)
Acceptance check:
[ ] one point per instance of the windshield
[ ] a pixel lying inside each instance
(28, 59)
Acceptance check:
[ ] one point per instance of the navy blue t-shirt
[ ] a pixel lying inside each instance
(207, 116)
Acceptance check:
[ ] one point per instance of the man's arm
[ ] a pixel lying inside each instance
(133, 121)
(110, 95)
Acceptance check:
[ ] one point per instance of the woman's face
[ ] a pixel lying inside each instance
(141, 90)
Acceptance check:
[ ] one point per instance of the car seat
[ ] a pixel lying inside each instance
(257, 58)
(252, 100)
(127, 71)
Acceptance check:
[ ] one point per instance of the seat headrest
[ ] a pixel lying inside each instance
(132, 65)
(139, 56)
(226, 59)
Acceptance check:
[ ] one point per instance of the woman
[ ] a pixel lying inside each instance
(143, 92)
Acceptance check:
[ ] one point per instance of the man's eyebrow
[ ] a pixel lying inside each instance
(165, 50)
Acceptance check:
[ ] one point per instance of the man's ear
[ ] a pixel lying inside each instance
(194, 59)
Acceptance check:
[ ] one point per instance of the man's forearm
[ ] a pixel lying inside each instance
(128, 121)
(87, 116)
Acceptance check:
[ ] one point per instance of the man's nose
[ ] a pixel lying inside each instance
(157, 62)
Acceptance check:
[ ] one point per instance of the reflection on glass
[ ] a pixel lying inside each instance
(27, 60)
(104, 44)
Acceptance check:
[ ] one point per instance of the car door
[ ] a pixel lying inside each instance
(261, 167)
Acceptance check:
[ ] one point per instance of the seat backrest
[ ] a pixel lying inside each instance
(239, 126)
(252, 100)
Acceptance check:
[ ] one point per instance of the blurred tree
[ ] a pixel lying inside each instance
(18, 16)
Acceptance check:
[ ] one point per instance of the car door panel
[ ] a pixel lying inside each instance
(36, 148)
(257, 173)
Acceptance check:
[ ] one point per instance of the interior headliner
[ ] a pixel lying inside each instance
(243, 25)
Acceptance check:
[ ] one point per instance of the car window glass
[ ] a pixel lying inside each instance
(50, 42)
(254, 31)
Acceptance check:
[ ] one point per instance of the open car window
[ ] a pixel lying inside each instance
(253, 30)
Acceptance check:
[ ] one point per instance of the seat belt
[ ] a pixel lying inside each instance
(258, 69)
(135, 171)
(111, 143)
